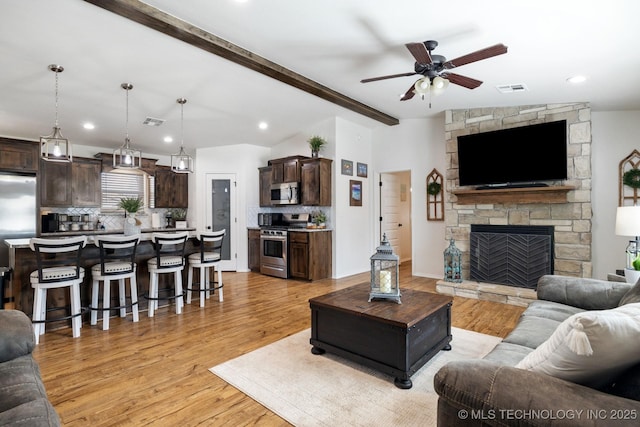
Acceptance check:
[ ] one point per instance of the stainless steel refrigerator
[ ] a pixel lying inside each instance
(17, 210)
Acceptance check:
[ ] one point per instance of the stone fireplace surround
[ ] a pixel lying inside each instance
(571, 219)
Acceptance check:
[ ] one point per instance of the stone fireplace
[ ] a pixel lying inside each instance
(569, 216)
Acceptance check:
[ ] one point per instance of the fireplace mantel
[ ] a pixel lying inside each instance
(551, 194)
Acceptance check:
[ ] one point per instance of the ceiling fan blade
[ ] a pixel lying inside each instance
(478, 55)
(408, 94)
(464, 81)
(390, 76)
(419, 52)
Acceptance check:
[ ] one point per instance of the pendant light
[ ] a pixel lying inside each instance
(126, 157)
(181, 162)
(55, 147)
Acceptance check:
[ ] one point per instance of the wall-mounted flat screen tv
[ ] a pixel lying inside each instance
(527, 155)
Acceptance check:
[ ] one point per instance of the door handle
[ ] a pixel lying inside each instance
(208, 227)
(399, 225)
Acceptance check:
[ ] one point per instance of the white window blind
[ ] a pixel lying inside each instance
(116, 186)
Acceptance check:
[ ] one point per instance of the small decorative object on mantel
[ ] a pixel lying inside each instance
(435, 196)
(385, 275)
(316, 143)
(179, 217)
(452, 263)
(629, 177)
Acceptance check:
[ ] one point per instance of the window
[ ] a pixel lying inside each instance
(126, 184)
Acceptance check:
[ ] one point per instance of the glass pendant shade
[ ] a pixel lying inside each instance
(439, 85)
(55, 147)
(126, 157)
(181, 162)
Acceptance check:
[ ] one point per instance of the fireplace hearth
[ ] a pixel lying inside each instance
(514, 255)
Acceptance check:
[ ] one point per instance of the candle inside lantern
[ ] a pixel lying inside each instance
(385, 282)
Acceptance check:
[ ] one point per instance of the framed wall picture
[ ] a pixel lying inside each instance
(355, 193)
(347, 167)
(362, 169)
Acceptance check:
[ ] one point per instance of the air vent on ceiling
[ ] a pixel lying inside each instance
(520, 87)
(150, 121)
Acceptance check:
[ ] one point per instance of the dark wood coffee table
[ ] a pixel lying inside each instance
(397, 339)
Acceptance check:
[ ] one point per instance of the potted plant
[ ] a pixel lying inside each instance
(131, 206)
(179, 216)
(320, 219)
(316, 143)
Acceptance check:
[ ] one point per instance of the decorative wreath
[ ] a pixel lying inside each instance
(632, 178)
(434, 188)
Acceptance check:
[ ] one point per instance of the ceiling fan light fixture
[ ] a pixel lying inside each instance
(126, 157)
(439, 85)
(55, 147)
(181, 162)
(422, 86)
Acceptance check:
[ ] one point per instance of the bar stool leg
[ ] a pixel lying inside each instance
(152, 294)
(189, 284)
(204, 283)
(95, 290)
(37, 313)
(178, 290)
(106, 303)
(76, 320)
(220, 295)
(134, 297)
(122, 292)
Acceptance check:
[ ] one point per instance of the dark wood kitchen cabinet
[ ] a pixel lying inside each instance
(265, 185)
(315, 177)
(172, 189)
(19, 156)
(70, 184)
(86, 187)
(310, 254)
(286, 169)
(254, 249)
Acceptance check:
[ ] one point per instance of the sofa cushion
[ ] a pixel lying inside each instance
(551, 310)
(16, 335)
(37, 413)
(508, 354)
(632, 296)
(591, 347)
(20, 382)
(532, 331)
(627, 384)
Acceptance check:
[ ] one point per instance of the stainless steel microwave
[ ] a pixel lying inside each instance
(285, 193)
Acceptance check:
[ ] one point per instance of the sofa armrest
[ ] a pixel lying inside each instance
(588, 294)
(473, 390)
(16, 335)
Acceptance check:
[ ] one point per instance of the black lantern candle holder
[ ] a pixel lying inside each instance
(385, 274)
(452, 263)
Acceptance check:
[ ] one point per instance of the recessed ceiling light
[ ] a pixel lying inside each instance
(89, 126)
(577, 79)
(168, 139)
(263, 125)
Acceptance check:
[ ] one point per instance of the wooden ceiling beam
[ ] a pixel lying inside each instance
(170, 25)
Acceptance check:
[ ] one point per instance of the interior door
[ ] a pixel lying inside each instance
(221, 214)
(390, 210)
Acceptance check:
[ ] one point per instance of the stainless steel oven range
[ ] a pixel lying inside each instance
(273, 252)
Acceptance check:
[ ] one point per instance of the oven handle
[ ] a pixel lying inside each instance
(278, 238)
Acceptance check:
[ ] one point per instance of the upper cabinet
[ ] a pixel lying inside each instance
(19, 156)
(172, 189)
(315, 177)
(70, 184)
(265, 185)
(286, 169)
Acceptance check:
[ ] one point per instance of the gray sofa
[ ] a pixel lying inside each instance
(23, 399)
(492, 392)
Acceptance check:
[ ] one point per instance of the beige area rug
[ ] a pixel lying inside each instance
(327, 390)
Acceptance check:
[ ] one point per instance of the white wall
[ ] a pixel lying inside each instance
(417, 145)
(614, 136)
(243, 161)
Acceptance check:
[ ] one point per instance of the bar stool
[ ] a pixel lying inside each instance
(169, 258)
(117, 262)
(209, 257)
(58, 262)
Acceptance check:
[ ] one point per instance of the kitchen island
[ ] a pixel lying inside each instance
(22, 261)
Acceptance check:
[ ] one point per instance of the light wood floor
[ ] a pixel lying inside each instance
(155, 372)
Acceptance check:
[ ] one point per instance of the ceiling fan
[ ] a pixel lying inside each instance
(435, 68)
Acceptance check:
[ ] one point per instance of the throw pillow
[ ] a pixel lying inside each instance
(591, 347)
(632, 295)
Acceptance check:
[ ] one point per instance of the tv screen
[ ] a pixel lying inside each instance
(518, 156)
